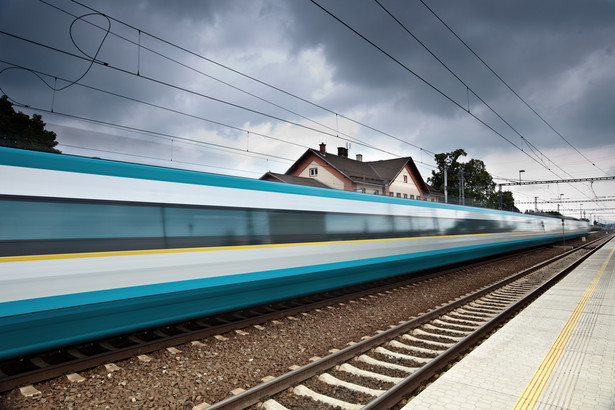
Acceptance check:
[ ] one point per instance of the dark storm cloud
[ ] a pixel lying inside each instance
(529, 44)
(556, 54)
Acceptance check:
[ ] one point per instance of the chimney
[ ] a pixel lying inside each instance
(323, 148)
(342, 152)
(360, 157)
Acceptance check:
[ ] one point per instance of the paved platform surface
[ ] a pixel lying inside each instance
(559, 353)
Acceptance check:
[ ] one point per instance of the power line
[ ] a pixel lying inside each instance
(252, 79)
(60, 144)
(568, 201)
(154, 134)
(140, 46)
(530, 145)
(506, 84)
(186, 90)
(417, 75)
(558, 181)
(183, 89)
(169, 137)
(436, 89)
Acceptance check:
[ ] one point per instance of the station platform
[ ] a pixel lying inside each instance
(558, 353)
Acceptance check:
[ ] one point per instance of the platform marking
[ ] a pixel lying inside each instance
(533, 390)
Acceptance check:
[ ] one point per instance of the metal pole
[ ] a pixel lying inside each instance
(463, 191)
(445, 184)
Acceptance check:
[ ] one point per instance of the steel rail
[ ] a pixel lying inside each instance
(425, 373)
(292, 378)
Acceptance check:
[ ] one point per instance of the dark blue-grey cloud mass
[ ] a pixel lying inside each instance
(186, 69)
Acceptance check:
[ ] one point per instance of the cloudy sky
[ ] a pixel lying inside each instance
(243, 87)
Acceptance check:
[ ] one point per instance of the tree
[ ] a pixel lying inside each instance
(477, 184)
(18, 130)
(505, 202)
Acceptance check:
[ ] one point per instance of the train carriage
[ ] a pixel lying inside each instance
(92, 248)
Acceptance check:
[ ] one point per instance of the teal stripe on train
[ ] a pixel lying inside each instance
(69, 163)
(104, 313)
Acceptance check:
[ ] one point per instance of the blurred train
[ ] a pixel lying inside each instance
(91, 248)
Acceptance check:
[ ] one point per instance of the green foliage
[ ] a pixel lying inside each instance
(478, 186)
(18, 130)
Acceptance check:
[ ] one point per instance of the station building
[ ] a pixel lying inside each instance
(397, 177)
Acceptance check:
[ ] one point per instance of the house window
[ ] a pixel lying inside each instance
(313, 172)
(406, 178)
(411, 196)
(391, 194)
(399, 194)
(376, 192)
(406, 196)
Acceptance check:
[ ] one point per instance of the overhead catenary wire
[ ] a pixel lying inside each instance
(524, 139)
(157, 134)
(226, 83)
(40, 75)
(429, 84)
(252, 78)
(110, 66)
(508, 86)
(186, 90)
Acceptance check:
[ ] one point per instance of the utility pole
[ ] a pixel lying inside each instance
(445, 184)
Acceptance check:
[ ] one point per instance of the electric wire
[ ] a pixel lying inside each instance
(186, 90)
(433, 87)
(155, 158)
(530, 145)
(183, 89)
(156, 134)
(508, 86)
(140, 46)
(252, 78)
(92, 62)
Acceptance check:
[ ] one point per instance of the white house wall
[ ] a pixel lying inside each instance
(324, 176)
(408, 188)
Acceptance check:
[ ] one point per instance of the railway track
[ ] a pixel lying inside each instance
(379, 372)
(47, 365)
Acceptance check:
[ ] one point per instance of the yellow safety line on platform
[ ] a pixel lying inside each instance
(533, 390)
(27, 258)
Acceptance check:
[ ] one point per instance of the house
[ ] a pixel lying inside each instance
(397, 177)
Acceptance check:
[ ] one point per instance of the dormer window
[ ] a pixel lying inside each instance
(313, 172)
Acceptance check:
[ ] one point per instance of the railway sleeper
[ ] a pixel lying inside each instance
(485, 308)
(453, 326)
(509, 298)
(463, 313)
(389, 353)
(436, 345)
(505, 299)
(334, 381)
(417, 349)
(422, 333)
(271, 405)
(375, 362)
(348, 368)
(304, 391)
(495, 300)
(452, 334)
(460, 320)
